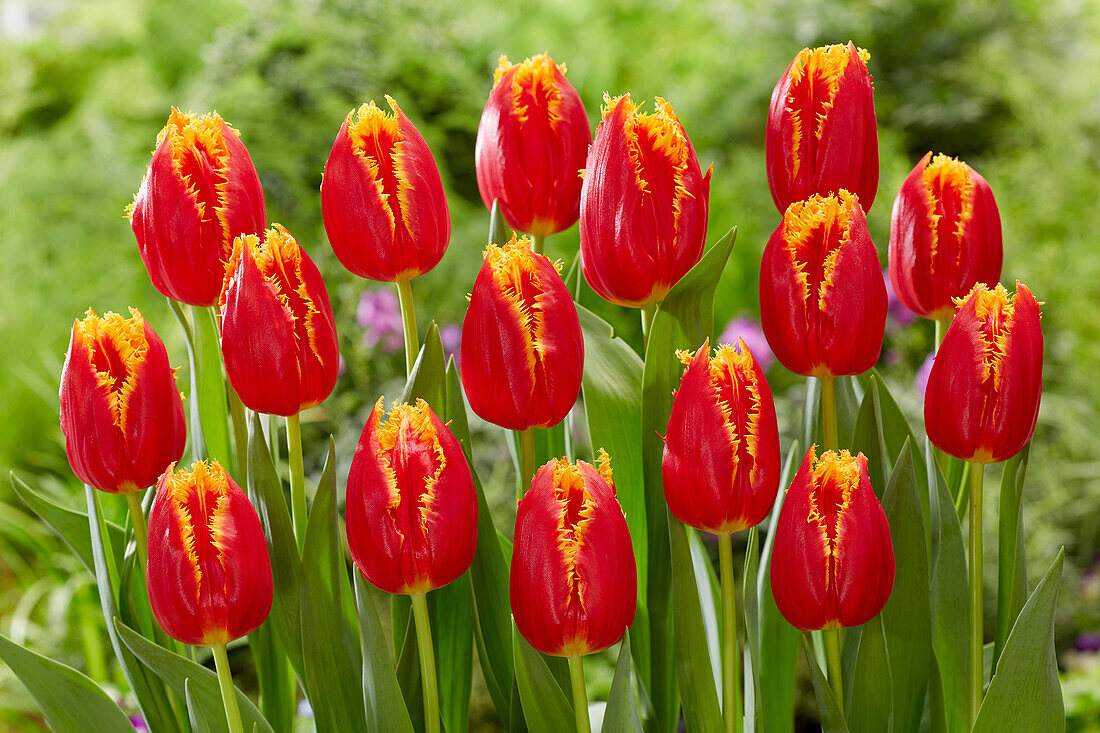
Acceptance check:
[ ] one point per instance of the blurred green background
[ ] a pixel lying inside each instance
(1012, 87)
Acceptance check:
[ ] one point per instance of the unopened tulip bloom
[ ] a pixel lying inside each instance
(982, 399)
(833, 563)
(278, 336)
(121, 411)
(574, 584)
(209, 574)
(532, 142)
(821, 135)
(822, 296)
(522, 352)
(411, 506)
(945, 236)
(643, 204)
(382, 198)
(721, 458)
(200, 193)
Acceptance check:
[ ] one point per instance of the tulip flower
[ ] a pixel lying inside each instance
(833, 563)
(532, 142)
(643, 204)
(945, 236)
(200, 193)
(721, 457)
(121, 411)
(522, 352)
(821, 135)
(573, 579)
(382, 199)
(982, 399)
(278, 336)
(822, 296)
(209, 573)
(411, 506)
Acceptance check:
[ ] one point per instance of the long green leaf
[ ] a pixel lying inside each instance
(1024, 693)
(70, 525)
(330, 647)
(907, 617)
(832, 719)
(1011, 554)
(621, 714)
(545, 707)
(751, 604)
(950, 604)
(212, 398)
(382, 701)
(195, 711)
(452, 621)
(870, 693)
(176, 671)
(682, 321)
(68, 699)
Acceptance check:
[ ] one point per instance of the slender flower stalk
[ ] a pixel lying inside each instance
(229, 693)
(976, 617)
(941, 330)
(731, 652)
(141, 532)
(427, 661)
(828, 413)
(298, 508)
(240, 431)
(832, 639)
(538, 243)
(408, 323)
(580, 694)
(526, 461)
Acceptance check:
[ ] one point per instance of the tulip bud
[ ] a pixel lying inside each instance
(982, 399)
(278, 335)
(531, 145)
(821, 135)
(200, 193)
(209, 574)
(833, 562)
(721, 459)
(574, 585)
(643, 204)
(121, 411)
(382, 199)
(411, 506)
(822, 296)
(945, 236)
(522, 352)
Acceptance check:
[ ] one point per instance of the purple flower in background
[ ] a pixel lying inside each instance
(379, 315)
(894, 309)
(921, 379)
(451, 336)
(139, 723)
(1088, 641)
(747, 328)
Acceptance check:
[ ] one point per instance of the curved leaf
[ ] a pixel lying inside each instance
(621, 714)
(832, 719)
(382, 699)
(545, 707)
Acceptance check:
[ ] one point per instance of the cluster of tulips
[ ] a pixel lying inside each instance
(641, 199)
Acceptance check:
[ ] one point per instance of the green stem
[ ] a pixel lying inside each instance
(526, 461)
(298, 509)
(141, 533)
(229, 694)
(427, 661)
(831, 637)
(828, 413)
(731, 653)
(408, 322)
(648, 311)
(941, 330)
(976, 618)
(240, 433)
(538, 241)
(580, 695)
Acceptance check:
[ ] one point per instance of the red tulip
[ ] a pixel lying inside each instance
(982, 400)
(382, 199)
(200, 193)
(833, 563)
(411, 506)
(531, 145)
(822, 297)
(121, 411)
(643, 204)
(821, 135)
(278, 335)
(522, 351)
(574, 585)
(721, 459)
(945, 236)
(209, 574)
